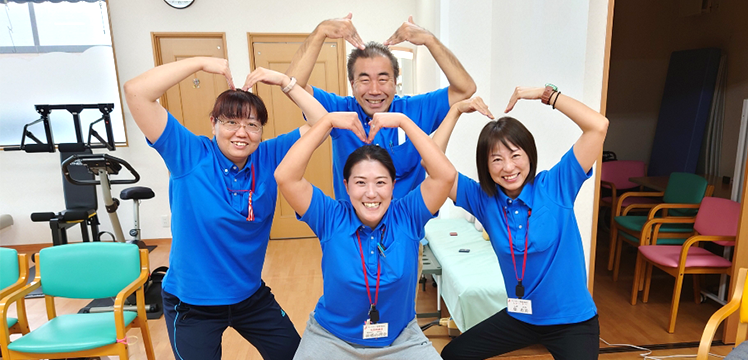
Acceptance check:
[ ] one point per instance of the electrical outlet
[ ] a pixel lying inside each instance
(165, 221)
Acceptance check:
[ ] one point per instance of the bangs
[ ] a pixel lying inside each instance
(238, 104)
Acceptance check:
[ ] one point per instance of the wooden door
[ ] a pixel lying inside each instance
(191, 101)
(275, 52)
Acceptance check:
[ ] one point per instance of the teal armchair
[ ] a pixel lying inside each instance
(89, 270)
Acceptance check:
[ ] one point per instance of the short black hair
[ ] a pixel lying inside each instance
(369, 152)
(509, 131)
(238, 104)
(372, 50)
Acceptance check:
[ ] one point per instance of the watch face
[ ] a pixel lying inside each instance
(179, 4)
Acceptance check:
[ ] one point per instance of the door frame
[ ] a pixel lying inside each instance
(603, 109)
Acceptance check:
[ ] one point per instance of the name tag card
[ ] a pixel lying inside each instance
(520, 306)
(375, 331)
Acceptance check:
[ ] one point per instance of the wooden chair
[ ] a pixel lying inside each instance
(717, 221)
(14, 273)
(738, 302)
(664, 222)
(614, 176)
(89, 270)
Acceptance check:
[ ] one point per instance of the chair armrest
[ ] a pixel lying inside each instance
(636, 194)
(608, 184)
(613, 192)
(627, 209)
(699, 238)
(646, 238)
(658, 207)
(711, 326)
(23, 276)
(5, 303)
(134, 287)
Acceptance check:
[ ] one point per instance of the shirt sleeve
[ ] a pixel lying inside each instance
(322, 213)
(564, 179)
(412, 213)
(179, 147)
(279, 146)
(432, 107)
(470, 196)
(331, 102)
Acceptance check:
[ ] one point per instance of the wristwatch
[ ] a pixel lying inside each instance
(549, 90)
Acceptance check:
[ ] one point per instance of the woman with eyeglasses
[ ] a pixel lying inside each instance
(222, 195)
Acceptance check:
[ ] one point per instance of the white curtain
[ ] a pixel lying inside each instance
(713, 141)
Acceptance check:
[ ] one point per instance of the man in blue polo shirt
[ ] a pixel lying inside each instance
(373, 72)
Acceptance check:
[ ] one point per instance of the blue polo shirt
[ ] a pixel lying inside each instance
(216, 253)
(344, 305)
(555, 276)
(426, 110)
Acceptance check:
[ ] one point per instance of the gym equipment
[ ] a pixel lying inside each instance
(80, 202)
(75, 110)
(80, 195)
(103, 166)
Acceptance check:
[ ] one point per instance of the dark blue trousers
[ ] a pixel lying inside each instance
(195, 332)
(501, 333)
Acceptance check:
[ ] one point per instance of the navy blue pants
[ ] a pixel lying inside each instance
(501, 333)
(195, 332)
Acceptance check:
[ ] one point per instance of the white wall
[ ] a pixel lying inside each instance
(501, 44)
(509, 44)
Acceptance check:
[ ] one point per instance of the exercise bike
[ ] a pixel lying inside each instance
(103, 166)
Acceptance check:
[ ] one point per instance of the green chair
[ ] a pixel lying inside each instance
(14, 273)
(89, 270)
(680, 199)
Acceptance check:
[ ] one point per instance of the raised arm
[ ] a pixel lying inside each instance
(304, 59)
(442, 134)
(442, 173)
(461, 85)
(305, 101)
(290, 172)
(143, 91)
(593, 124)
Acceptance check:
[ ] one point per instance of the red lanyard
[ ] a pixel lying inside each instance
(250, 211)
(366, 278)
(511, 245)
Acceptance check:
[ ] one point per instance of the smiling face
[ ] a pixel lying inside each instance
(370, 187)
(237, 144)
(373, 84)
(509, 167)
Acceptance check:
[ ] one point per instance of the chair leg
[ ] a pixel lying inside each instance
(637, 275)
(696, 289)
(647, 283)
(613, 239)
(617, 264)
(675, 303)
(122, 352)
(147, 343)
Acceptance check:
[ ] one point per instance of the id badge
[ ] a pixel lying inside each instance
(519, 306)
(375, 331)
